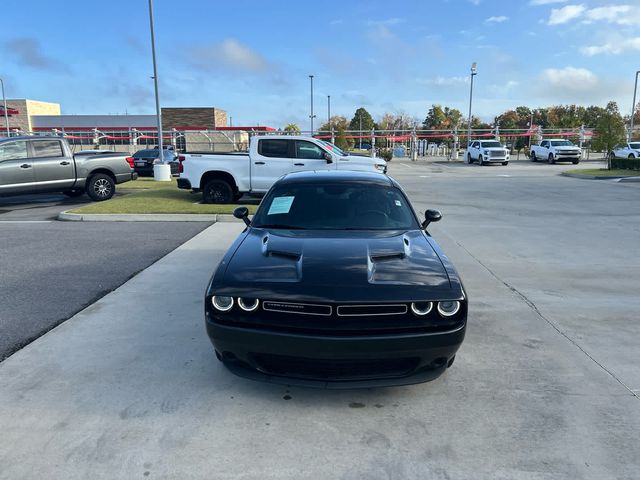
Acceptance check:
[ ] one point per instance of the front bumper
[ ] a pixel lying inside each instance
(335, 362)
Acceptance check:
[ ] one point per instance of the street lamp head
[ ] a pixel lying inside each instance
(474, 68)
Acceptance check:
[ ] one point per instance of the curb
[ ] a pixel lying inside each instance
(145, 217)
(595, 177)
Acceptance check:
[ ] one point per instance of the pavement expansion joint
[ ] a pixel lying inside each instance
(534, 308)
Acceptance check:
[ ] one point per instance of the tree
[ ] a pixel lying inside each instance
(367, 121)
(339, 125)
(292, 128)
(435, 118)
(610, 129)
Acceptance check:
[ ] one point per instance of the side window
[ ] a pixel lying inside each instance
(47, 148)
(274, 148)
(308, 150)
(13, 150)
(544, 144)
(475, 145)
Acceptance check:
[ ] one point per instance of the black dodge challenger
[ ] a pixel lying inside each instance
(335, 283)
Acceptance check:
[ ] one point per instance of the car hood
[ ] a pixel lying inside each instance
(565, 148)
(342, 260)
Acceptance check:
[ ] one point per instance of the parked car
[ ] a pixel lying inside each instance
(336, 283)
(555, 151)
(223, 177)
(143, 161)
(45, 164)
(486, 151)
(628, 150)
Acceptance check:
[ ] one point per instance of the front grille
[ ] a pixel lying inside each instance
(282, 365)
(496, 153)
(365, 310)
(297, 308)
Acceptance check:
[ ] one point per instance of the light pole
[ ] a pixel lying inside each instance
(633, 106)
(474, 72)
(6, 114)
(312, 116)
(360, 133)
(329, 111)
(155, 84)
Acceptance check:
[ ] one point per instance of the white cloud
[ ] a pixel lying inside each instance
(565, 14)
(231, 54)
(498, 19)
(387, 21)
(570, 78)
(615, 47)
(545, 2)
(618, 14)
(441, 81)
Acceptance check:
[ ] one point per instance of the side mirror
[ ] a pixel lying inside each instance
(328, 157)
(431, 216)
(242, 213)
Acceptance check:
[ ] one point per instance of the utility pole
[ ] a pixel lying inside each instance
(329, 111)
(360, 134)
(155, 84)
(633, 106)
(312, 116)
(474, 72)
(6, 114)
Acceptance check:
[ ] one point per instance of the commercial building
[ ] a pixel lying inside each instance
(21, 112)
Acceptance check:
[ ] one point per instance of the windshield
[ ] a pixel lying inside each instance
(146, 154)
(333, 148)
(491, 144)
(635, 146)
(561, 143)
(337, 206)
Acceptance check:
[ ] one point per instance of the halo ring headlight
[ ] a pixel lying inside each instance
(448, 308)
(421, 308)
(222, 303)
(248, 304)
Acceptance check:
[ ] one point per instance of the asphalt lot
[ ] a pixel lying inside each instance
(545, 386)
(50, 270)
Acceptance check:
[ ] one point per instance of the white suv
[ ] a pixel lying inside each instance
(486, 151)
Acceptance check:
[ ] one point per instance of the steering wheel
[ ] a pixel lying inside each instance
(372, 214)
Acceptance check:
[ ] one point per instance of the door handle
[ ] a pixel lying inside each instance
(258, 163)
(25, 165)
(65, 163)
(299, 164)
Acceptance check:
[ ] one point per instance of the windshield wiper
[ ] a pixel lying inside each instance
(279, 225)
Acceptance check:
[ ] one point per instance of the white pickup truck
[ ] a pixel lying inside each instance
(487, 151)
(555, 151)
(225, 177)
(628, 150)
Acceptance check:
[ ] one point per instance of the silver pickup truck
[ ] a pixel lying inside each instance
(46, 164)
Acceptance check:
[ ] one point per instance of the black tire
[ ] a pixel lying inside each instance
(532, 156)
(575, 162)
(631, 157)
(217, 191)
(480, 161)
(552, 160)
(612, 156)
(100, 187)
(505, 163)
(74, 193)
(468, 159)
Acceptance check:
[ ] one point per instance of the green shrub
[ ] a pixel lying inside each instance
(386, 154)
(626, 163)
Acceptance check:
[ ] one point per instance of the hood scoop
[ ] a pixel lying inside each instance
(397, 249)
(272, 247)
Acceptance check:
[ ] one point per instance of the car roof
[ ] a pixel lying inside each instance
(337, 176)
(31, 137)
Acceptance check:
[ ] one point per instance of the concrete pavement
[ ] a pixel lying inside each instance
(130, 388)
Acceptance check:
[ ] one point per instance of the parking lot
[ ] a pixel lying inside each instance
(545, 386)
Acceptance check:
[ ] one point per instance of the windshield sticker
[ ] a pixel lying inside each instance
(398, 204)
(280, 205)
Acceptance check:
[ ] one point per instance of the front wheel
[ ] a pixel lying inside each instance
(480, 161)
(552, 160)
(532, 157)
(505, 163)
(575, 162)
(217, 191)
(101, 187)
(612, 156)
(467, 159)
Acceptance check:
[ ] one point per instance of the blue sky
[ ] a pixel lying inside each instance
(253, 58)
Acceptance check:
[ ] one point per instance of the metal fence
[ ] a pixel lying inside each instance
(413, 143)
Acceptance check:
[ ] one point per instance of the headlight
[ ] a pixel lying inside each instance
(380, 167)
(448, 308)
(421, 308)
(248, 304)
(222, 303)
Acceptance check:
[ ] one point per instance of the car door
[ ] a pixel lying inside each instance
(274, 159)
(309, 156)
(16, 168)
(545, 148)
(53, 170)
(475, 150)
